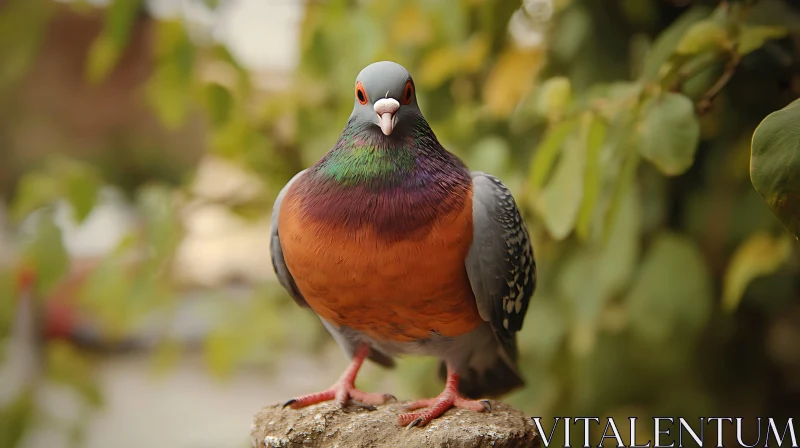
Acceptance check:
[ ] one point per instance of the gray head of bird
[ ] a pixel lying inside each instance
(385, 99)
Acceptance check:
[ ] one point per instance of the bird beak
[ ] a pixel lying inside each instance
(386, 108)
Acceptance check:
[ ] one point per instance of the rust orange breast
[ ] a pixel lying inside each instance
(391, 289)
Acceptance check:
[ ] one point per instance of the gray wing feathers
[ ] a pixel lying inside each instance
(278, 263)
(500, 263)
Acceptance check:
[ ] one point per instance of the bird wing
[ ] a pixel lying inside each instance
(500, 263)
(278, 263)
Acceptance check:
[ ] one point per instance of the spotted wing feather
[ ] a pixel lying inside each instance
(500, 263)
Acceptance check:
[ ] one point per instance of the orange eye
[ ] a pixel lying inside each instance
(408, 92)
(361, 94)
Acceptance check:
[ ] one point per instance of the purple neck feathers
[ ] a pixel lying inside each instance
(398, 184)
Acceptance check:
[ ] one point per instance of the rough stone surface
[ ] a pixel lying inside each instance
(325, 425)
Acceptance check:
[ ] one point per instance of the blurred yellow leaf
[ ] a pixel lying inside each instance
(475, 53)
(751, 38)
(439, 65)
(554, 96)
(759, 255)
(449, 60)
(410, 26)
(103, 55)
(510, 79)
(705, 35)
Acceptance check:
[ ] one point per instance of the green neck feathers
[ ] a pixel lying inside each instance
(366, 163)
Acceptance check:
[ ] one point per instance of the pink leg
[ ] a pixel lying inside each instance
(344, 389)
(449, 398)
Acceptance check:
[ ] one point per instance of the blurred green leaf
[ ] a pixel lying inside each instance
(162, 226)
(595, 133)
(67, 366)
(8, 289)
(751, 38)
(669, 133)
(775, 164)
(169, 89)
(16, 417)
(491, 154)
(81, 187)
(667, 41)
(109, 46)
(220, 103)
(46, 253)
(672, 291)
(34, 191)
(560, 199)
(759, 255)
(573, 30)
(773, 13)
(703, 36)
(623, 184)
(597, 273)
(546, 154)
(23, 24)
(62, 178)
(545, 316)
(105, 295)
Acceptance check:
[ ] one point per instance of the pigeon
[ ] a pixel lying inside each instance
(400, 249)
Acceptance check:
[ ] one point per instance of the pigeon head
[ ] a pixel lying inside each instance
(385, 98)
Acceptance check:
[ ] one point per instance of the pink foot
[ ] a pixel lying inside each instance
(449, 398)
(344, 389)
(342, 393)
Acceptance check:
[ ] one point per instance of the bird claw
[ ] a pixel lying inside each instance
(414, 423)
(288, 403)
(390, 398)
(436, 407)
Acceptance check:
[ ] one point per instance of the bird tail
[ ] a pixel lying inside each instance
(499, 378)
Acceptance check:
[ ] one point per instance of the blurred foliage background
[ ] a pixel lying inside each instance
(140, 157)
